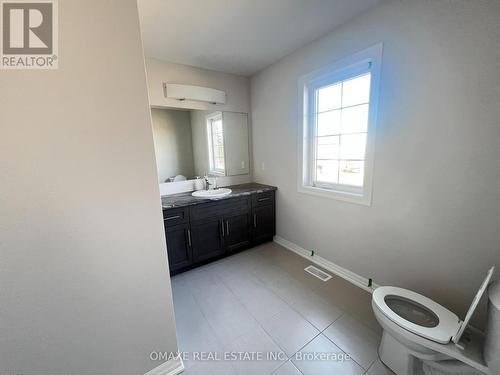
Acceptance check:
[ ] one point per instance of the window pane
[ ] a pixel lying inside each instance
(329, 123)
(219, 152)
(351, 172)
(329, 140)
(327, 171)
(356, 91)
(216, 138)
(328, 147)
(355, 119)
(217, 124)
(352, 146)
(329, 97)
(219, 163)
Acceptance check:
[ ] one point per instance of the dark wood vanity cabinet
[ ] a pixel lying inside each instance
(179, 249)
(264, 223)
(237, 233)
(207, 240)
(202, 232)
(177, 233)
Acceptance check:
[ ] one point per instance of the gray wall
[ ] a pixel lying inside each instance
(434, 223)
(173, 143)
(84, 283)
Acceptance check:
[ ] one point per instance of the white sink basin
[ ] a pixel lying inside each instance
(214, 193)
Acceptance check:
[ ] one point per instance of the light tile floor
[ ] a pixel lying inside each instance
(261, 301)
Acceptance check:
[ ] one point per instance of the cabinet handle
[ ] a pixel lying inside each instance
(255, 220)
(222, 227)
(173, 217)
(227, 227)
(189, 237)
(263, 199)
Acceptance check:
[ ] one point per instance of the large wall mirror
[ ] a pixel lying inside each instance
(193, 143)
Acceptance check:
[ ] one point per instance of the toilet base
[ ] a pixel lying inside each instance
(397, 357)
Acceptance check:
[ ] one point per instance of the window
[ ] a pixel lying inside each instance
(338, 126)
(215, 132)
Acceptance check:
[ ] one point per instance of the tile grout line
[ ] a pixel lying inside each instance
(320, 332)
(258, 323)
(371, 364)
(262, 327)
(307, 343)
(220, 345)
(289, 361)
(340, 347)
(298, 312)
(263, 283)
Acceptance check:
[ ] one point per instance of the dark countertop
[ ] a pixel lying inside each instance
(186, 199)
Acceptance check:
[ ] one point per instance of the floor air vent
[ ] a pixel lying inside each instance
(316, 272)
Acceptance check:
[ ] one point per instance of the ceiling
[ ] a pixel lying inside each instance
(238, 36)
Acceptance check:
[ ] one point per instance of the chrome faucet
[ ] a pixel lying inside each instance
(208, 184)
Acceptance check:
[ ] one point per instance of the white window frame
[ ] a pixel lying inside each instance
(367, 60)
(209, 119)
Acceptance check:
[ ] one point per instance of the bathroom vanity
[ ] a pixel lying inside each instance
(199, 230)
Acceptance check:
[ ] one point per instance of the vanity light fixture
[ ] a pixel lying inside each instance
(195, 93)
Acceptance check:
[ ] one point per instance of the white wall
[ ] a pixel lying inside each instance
(84, 282)
(173, 143)
(236, 143)
(237, 90)
(433, 225)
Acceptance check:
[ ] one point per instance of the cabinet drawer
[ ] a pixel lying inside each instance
(220, 208)
(262, 199)
(236, 206)
(204, 211)
(175, 216)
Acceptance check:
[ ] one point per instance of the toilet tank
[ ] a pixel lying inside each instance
(492, 344)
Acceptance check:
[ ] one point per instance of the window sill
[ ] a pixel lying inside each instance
(362, 199)
(216, 174)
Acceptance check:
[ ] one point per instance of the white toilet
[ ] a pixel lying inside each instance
(422, 337)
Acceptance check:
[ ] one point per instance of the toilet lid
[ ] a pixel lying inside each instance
(417, 313)
(473, 306)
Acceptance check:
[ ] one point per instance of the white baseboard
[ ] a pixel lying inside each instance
(350, 276)
(172, 367)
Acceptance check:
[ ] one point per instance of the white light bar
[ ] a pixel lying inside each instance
(196, 93)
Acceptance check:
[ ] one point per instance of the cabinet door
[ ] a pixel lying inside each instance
(236, 231)
(206, 239)
(178, 249)
(263, 223)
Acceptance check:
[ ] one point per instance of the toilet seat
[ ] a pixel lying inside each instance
(447, 327)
